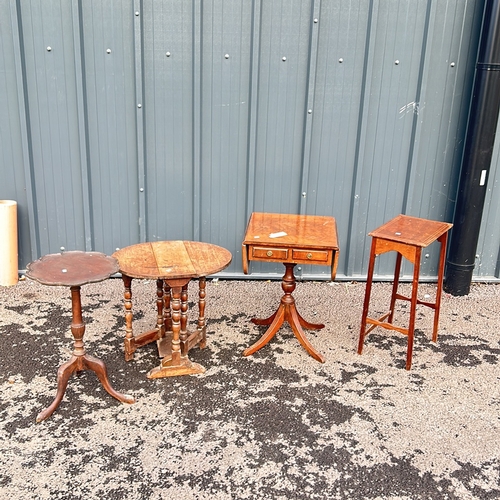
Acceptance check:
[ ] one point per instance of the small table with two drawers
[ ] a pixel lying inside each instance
(291, 240)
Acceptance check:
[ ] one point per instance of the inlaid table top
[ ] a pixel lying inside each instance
(290, 238)
(411, 230)
(304, 231)
(172, 259)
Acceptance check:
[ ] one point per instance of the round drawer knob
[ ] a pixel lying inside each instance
(269, 253)
(309, 256)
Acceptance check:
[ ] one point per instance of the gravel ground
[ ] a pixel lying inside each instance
(277, 424)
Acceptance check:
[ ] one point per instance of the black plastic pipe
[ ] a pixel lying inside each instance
(478, 150)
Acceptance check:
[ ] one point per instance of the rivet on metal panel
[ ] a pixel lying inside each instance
(141, 190)
(62, 249)
(427, 255)
(309, 111)
(303, 194)
(108, 51)
(452, 64)
(139, 105)
(136, 12)
(396, 62)
(168, 54)
(226, 56)
(116, 249)
(283, 58)
(299, 269)
(341, 60)
(49, 49)
(315, 19)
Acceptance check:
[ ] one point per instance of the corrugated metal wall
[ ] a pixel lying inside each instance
(135, 120)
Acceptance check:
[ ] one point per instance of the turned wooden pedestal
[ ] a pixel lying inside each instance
(75, 269)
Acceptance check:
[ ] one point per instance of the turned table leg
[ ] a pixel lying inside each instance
(184, 317)
(159, 308)
(201, 327)
(127, 303)
(177, 363)
(167, 313)
(79, 361)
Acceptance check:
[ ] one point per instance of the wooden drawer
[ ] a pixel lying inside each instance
(310, 255)
(270, 253)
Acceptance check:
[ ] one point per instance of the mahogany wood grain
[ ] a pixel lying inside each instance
(407, 236)
(298, 239)
(173, 264)
(75, 269)
(291, 240)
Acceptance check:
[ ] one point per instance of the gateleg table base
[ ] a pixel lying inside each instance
(171, 335)
(172, 368)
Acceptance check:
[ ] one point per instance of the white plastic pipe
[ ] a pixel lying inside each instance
(8, 243)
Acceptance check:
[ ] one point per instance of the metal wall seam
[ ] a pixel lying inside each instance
(309, 109)
(252, 112)
(197, 14)
(411, 163)
(428, 103)
(358, 154)
(442, 109)
(353, 236)
(26, 147)
(489, 240)
(140, 119)
(82, 123)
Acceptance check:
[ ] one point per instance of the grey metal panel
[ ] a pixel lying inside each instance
(225, 98)
(281, 109)
(168, 89)
(110, 106)
(197, 83)
(54, 136)
(488, 249)
(343, 31)
(310, 90)
(280, 115)
(14, 157)
(394, 61)
(140, 118)
(120, 142)
(80, 100)
(442, 112)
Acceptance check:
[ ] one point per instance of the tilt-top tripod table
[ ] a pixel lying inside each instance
(292, 240)
(75, 269)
